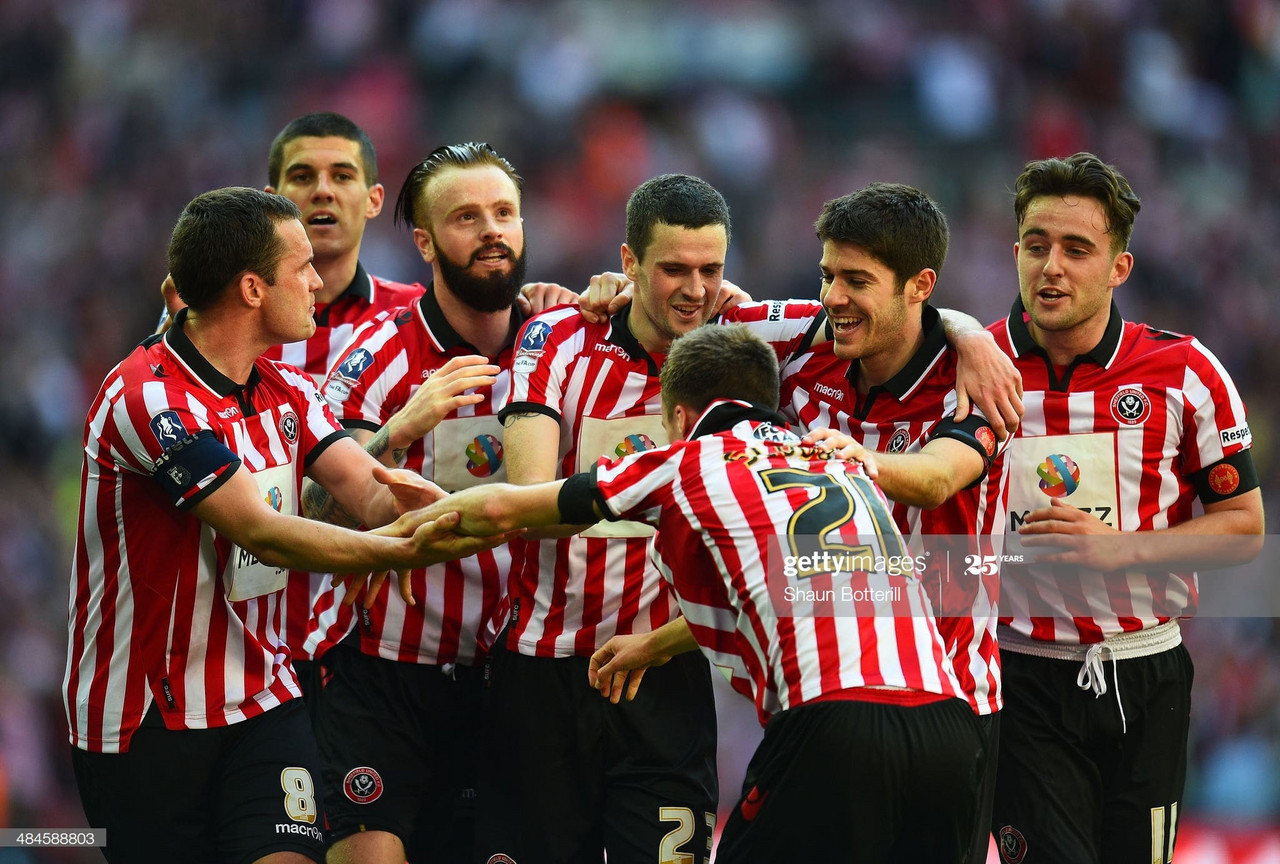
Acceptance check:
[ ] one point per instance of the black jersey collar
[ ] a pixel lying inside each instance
(176, 338)
(620, 334)
(909, 376)
(447, 338)
(1102, 354)
(723, 414)
(361, 286)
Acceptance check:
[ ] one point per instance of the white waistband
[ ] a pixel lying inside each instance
(1122, 646)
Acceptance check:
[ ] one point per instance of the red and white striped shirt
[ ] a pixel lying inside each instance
(908, 411)
(728, 504)
(151, 615)
(337, 322)
(1133, 431)
(569, 596)
(459, 603)
(312, 621)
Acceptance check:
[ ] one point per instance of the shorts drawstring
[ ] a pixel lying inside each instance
(1093, 676)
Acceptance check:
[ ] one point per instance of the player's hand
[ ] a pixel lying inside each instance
(844, 447)
(444, 392)
(987, 377)
(727, 297)
(606, 294)
(535, 297)
(1073, 536)
(411, 490)
(618, 667)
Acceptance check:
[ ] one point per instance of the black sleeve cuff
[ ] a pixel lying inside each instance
(325, 444)
(527, 408)
(973, 430)
(359, 423)
(1227, 478)
(578, 498)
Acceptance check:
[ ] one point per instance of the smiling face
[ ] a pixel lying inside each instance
(676, 281)
(1067, 272)
(325, 178)
(474, 238)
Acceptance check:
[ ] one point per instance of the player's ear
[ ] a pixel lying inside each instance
(684, 418)
(920, 286)
(373, 206)
(252, 288)
(630, 263)
(426, 246)
(1120, 269)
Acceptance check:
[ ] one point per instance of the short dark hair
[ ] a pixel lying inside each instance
(719, 362)
(222, 234)
(1087, 176)
(672, 199)
(898, 225)
(324, 124)
(468, 155)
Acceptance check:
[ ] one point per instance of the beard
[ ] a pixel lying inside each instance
(489, 293)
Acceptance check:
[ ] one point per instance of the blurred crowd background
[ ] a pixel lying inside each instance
(115, 113)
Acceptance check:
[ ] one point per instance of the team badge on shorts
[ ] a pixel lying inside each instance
(500, 859)
(898, 443)
(362, 785)
(289, 426)
(1013, 846)
(1130, 407)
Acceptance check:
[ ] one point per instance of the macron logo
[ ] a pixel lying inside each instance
(829, 392)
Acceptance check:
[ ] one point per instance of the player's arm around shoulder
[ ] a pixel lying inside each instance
(930, 477)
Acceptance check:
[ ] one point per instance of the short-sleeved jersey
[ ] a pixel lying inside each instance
(1133, 432)
(569, 596)
(312, 621)
(728, 503)
(151, 614)
(458, 605)
(336, 322)
(908, 411)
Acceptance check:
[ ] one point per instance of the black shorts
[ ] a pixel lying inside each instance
(860, 781)
(1072, 784)
(568, 774)
(228, 795)
(989, 726)
(399, 742)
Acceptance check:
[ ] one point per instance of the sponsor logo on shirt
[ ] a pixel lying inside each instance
(610, 348)
(228, 413)
(1130, 407)
(634, 444)
(168, 429)
(1059, 475)
(830, 392)
(274, 499)
(484, 456)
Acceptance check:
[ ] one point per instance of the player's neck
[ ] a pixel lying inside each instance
(224, 343)
(489, 332)
(876, 369)
(336, 273)
(1064, 346)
